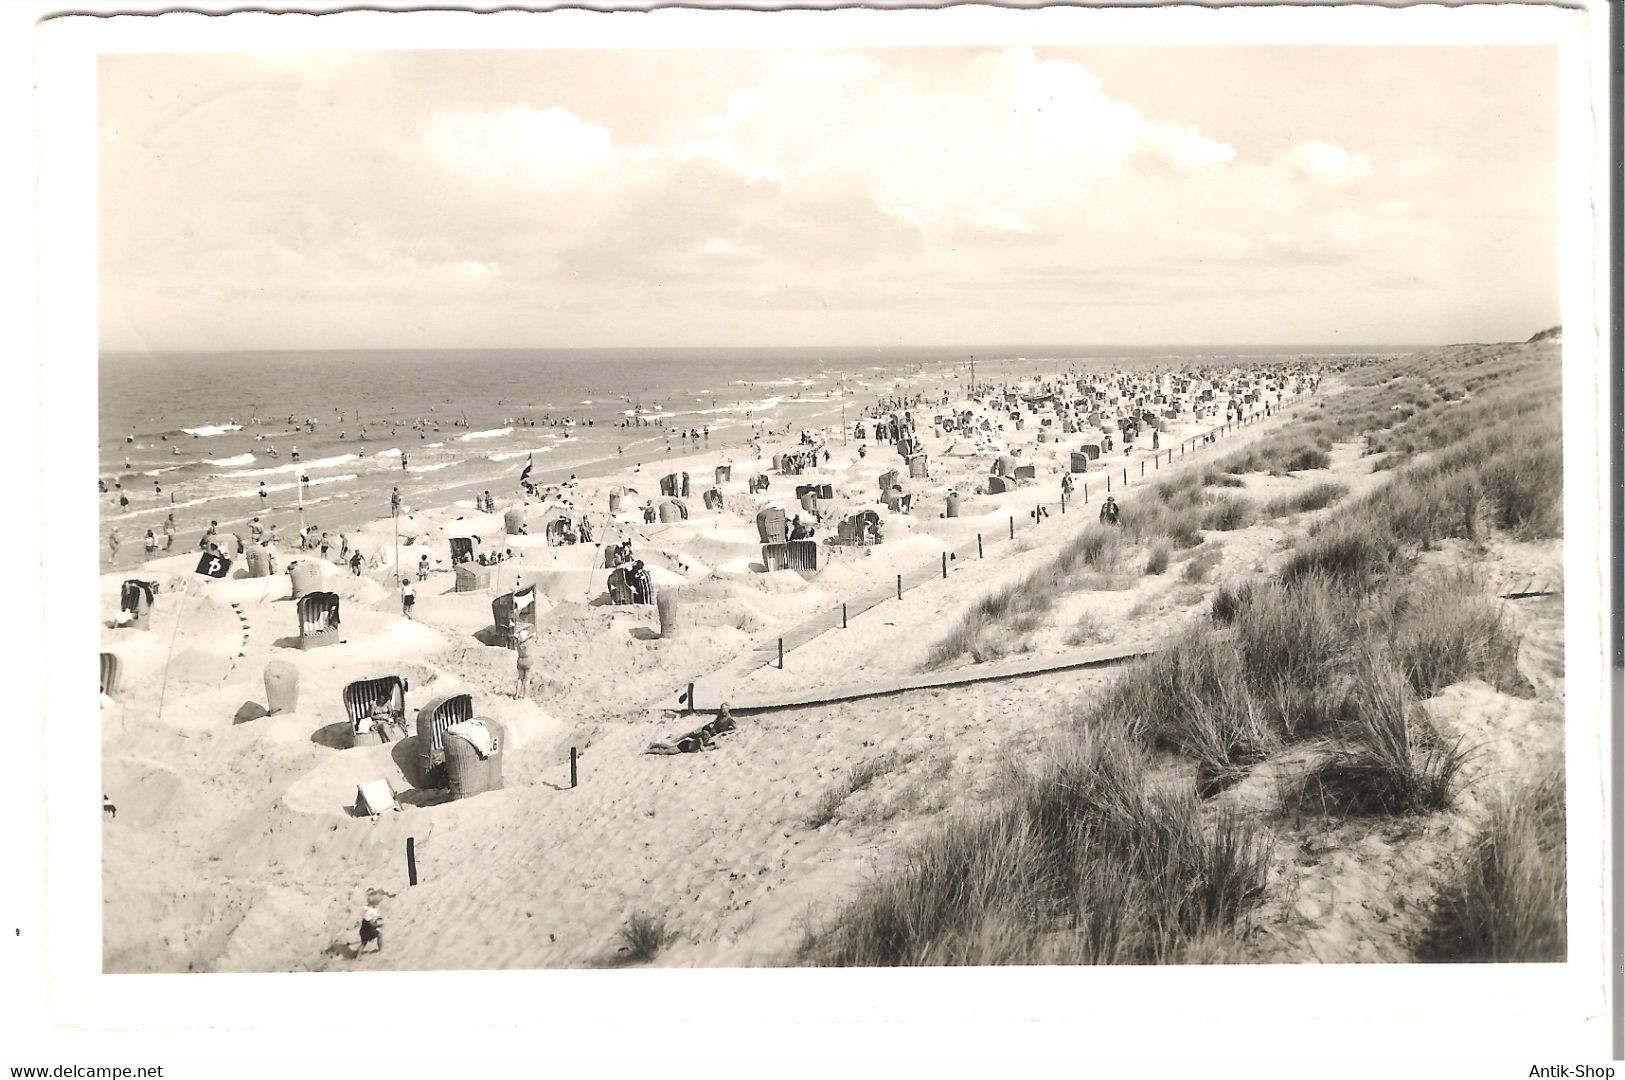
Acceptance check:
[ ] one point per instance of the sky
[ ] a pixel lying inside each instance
(729, 197)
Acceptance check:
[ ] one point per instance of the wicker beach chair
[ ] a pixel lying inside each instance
(433, 720)
(512, 610)
(318, 619)
(363, 696)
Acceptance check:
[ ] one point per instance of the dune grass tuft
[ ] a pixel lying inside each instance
(1083, 862)
(1089, 629)
(856, 779)
(1228, 513)
(1198, 568)
(1394, 761)
(1443, 629)
(1229, 601)
(1315, 497)
(1354, 553)
(1508, 899)
(643, 936)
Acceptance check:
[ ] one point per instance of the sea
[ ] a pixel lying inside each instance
(198, 434)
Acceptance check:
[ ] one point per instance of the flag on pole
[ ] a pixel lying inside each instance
(214, 566)
(529, 464)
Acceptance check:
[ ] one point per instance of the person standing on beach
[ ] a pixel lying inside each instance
(372, 924)
(423, 568)
(152, 542)
(408, 597)
(522, 660)
(264, 495)
(169, 532)
(394, 502)
(112, 543)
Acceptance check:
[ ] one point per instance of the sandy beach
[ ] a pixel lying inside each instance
(235, 846)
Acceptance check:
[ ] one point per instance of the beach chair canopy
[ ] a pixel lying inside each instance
(471, 577)
(440, 714)
(112, 668)
(464, 548)
(791, 555)
(306, 576)
(362, 695)
(770, 525)
(511, 609)
(318, 612)
(134, 595)
(620, 586)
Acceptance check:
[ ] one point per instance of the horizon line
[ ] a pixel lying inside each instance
(969, 347)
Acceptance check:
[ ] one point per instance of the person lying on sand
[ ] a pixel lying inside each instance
(701, 738)
(693, 742)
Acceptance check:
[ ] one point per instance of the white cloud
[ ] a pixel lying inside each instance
(469, 270)
(1325, 162)
(551, 149)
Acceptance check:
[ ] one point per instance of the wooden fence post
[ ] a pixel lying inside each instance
(411, 861)
(899, 586)
(978, 545)
(573, 761)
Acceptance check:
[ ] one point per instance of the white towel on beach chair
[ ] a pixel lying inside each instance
(475, 734)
